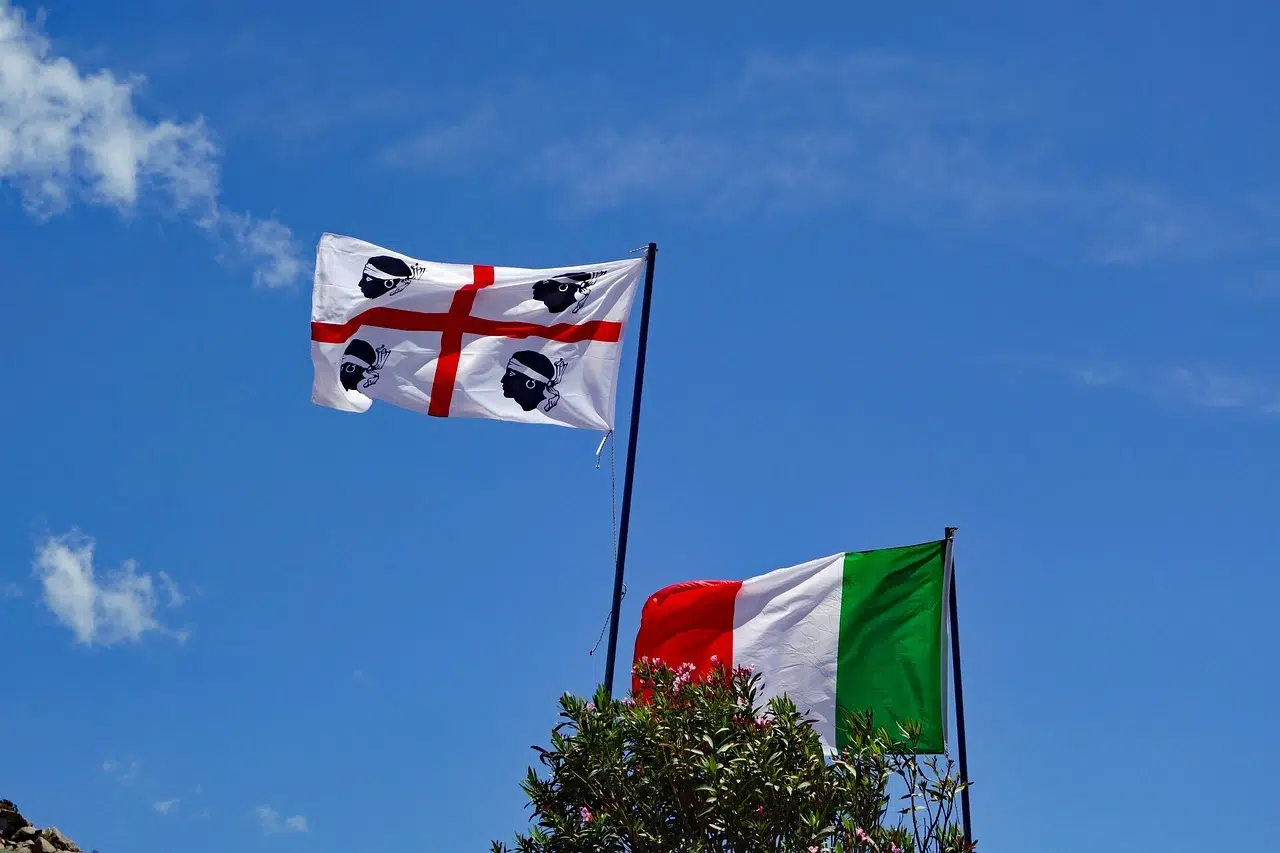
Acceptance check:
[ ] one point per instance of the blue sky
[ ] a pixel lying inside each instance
(1010, 267)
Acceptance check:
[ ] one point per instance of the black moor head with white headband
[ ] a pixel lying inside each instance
(360, 364)
(565, 290)
(386, 274)
(531, 379)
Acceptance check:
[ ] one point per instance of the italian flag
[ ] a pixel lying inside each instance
(849, 633)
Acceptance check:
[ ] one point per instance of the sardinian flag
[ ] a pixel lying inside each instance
(463, 341)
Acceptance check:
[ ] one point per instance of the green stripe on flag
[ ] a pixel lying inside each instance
(890, 653)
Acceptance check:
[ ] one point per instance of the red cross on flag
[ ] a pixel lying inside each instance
(454, 340)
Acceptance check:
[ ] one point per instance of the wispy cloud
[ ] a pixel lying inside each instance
(898, 136)
(271, 246)
(454, 145)
(166, 806)
(122, 771)
(68, 136)
(122, 607)
(1191, 386)
(171, 591)
(272, 823)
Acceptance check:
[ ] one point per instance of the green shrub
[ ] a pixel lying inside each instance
(690, 763)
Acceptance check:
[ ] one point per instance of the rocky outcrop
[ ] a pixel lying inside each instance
(17, 833)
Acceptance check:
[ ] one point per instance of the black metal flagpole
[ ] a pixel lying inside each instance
(962, 746)
(619, 570)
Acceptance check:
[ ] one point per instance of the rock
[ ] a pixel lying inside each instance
(10, 820)
(17, 833)
(56, 837)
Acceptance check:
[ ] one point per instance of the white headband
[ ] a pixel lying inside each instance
(358, 360)
(519, 367)
(373, 272)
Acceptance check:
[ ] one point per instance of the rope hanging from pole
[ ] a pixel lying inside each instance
(613, 517)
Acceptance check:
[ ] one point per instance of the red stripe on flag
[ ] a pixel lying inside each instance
(606, 331)
(386, 318)
(688, 623)
(451, 342)
(592, 330)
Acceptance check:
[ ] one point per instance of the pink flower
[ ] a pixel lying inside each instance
(628, 701)
(813, 848)
(861, 835)
(893, 848)
(586, 815)
(591, 707)
(760, 811)
(684, 674)
(715, 660)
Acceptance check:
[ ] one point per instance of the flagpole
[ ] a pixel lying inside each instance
(959, 684)
(625, 525)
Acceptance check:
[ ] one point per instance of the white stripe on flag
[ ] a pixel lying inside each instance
(786, 626)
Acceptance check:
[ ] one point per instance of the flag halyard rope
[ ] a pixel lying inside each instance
(613, 517)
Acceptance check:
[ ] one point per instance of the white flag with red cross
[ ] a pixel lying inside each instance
(457, 340)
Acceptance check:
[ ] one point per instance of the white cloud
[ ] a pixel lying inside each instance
(123, 771)
(1192, 386)
(1097, 376)
(67, 136)
(119, 608)
(166, 806)
(273, 824)
(270, 245)
(175, 596)
(63, 132)
(1216, 390)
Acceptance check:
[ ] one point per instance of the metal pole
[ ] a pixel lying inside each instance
(625, 525)
(959, 683)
